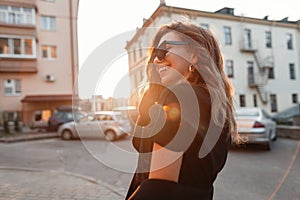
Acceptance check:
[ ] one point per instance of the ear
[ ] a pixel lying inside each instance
(194, 59)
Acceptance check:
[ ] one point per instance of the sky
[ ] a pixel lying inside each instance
(101, 21)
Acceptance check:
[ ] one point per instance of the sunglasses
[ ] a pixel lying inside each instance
(161, 51)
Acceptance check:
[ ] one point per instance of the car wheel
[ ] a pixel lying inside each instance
(110, 135)
(66, 135)
(268, 146)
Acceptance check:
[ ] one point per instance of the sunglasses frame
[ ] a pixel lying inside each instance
(161, 51)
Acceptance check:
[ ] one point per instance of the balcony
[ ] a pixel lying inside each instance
(265, 62)
(8, 65)
(248, 46)
(18, 17)
(257, 79)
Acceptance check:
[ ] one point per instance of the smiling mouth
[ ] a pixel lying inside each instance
(162, 69)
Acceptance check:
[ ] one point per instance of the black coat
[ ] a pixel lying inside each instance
(197, 175)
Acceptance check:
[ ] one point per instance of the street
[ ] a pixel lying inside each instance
(250, 172)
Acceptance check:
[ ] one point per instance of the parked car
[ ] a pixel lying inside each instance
(108, 124)
(256, 126)
(64, 114)
(289, 116)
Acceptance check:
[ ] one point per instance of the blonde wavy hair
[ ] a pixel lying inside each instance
(208, 71)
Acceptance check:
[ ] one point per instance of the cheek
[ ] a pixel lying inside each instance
(172, 76)
(181, 67)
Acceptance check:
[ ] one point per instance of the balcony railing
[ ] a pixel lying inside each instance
(257, 79)
(18, 65)
(248, 46)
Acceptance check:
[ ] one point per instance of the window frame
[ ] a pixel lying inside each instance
(292, 71)
(289, 41)
(254, 100)
(49, 52)
(21, 16)
(229, 68)
(268, 38)
(242, 100)
(14, 86)
(11, 47)
(227, 35)
(47, 22)
(271, 73)
(294, 98)
(273, 103)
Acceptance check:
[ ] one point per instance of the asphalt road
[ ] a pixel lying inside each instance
(250, 172)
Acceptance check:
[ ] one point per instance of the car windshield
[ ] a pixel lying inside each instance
(247, 113)
(79, 115)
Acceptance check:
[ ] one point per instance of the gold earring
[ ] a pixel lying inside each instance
(190, 67)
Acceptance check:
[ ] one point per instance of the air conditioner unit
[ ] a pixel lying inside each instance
(50, 78)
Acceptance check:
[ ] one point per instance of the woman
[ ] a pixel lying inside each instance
(186, 123)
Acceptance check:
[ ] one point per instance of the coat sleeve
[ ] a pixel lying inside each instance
(172, 114)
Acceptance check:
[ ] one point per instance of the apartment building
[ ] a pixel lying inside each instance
(38, 57)
(261, 56)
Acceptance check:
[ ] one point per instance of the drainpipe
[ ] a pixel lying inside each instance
(71, 44)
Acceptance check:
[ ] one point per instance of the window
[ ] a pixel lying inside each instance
(48, 23)
(12, 87)
(248, 38)
(292, 71)
(250, 70)
(204, 26)
(289, 41)
(17, 15)
(134, 55)
(17, 47)
(294, 98)
(49, 52)
(254, 100)
(227, 34)
(273, 102)
(229, 68)
(268, 39)
(242, 100)
(271, 74)
(140, 50)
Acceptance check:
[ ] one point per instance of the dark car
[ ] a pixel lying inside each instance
(64, 114)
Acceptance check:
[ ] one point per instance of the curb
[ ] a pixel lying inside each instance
(27, 137)
(86, 178)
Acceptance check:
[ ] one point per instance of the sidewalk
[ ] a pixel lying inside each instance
(27, 136)
(32, 184)
(36, 184)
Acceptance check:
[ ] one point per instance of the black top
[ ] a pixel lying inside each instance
(196, 174)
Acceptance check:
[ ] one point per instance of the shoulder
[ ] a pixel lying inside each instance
(186, 91)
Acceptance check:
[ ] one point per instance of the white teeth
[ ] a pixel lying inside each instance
(161, 69)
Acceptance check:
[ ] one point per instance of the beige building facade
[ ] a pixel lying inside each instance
(261, 56)
(38, 58)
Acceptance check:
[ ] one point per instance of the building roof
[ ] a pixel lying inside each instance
(223, 13)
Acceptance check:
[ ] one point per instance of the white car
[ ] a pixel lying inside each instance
(108, 124)
(256, 126)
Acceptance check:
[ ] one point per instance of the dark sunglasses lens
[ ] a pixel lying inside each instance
(160, 53)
